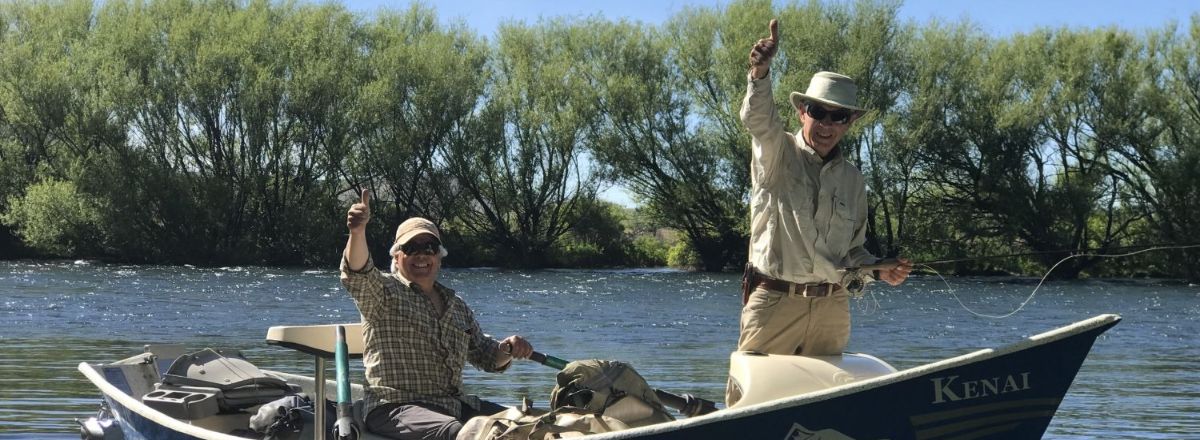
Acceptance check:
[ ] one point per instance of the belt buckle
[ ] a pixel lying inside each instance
(798, 289)
(819, 290)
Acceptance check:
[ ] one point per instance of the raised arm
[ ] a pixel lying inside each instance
(759, 113)
(356, 221)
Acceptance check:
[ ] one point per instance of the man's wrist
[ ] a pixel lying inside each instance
(759, 72)
(504, 348)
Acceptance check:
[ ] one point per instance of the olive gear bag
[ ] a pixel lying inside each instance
(528, 423)
(608, 388)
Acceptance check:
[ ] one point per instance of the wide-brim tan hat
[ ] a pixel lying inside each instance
(829, 88)
(416, 226)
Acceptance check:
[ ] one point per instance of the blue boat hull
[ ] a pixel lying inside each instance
(1005, 394)
(137, 427)
(1008, 393)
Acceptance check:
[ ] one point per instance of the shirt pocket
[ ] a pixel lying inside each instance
(456, 339)
(842, 225)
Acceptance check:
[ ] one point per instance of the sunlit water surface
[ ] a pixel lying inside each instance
(1140, 381)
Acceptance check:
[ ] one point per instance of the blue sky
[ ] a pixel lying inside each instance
(996, 17)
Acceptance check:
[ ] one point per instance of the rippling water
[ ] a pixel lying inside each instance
(676, 328)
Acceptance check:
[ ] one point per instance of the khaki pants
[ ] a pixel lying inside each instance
(777, 323)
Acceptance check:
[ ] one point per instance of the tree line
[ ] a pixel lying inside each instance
(238, 132)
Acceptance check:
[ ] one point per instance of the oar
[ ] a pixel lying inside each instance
(686, 404)
(344, 428)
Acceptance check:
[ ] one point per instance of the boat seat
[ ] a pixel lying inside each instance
(209, 382)
(321, 342)
(136, 376)
(317, 340)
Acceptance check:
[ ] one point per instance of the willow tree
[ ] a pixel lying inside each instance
(233, 110)
(1010, 151)
(941, 62)
(1081, 77)
(421, 83)
(519, 162)
(1150, 125)
(647, 141)
(55, 118)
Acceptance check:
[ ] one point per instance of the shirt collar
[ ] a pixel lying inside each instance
(834, 154)
(446, 292)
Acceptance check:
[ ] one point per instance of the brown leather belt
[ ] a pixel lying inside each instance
(796, 289)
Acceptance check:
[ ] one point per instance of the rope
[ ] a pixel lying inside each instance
(1047, 275)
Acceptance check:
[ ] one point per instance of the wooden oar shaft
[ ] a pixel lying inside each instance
(687, 404)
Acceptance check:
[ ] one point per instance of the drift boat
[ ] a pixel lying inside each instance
(1011, 392)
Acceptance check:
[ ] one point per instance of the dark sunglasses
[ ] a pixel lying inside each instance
(426, 248)
(818, 113)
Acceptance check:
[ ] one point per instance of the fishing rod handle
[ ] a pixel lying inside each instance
(342, 361)
(886, 264)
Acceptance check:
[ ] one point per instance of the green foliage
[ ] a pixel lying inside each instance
(683, 256)
(518, 161)
(647, 251)
(647, 141)
(56, 219)
(236, 132)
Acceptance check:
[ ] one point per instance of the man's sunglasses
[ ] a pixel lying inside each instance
(818, 113)
(427, 248)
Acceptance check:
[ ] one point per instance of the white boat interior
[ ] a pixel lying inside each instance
(154, 385)
(758, 378)
(150, 384)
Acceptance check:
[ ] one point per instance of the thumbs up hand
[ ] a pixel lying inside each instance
(360, 213)
(764, 50)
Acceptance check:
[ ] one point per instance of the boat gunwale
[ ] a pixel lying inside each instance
(1043, 338)
(108, 390)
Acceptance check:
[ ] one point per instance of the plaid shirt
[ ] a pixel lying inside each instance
(411, 354)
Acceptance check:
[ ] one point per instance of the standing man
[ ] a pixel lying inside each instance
(808, 209)
(417, 333)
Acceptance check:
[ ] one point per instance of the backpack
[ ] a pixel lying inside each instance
(611, 389)
(289, 418)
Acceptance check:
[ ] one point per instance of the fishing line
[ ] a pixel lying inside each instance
(1029, 254)
(1043, 280)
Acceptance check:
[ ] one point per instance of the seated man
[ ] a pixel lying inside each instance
(417, 334)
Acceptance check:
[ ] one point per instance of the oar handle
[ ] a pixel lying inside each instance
(686, 404)
(549, 361)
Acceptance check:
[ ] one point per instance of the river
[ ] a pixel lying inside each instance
(676, 328)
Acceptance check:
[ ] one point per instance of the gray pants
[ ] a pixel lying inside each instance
(419, 421)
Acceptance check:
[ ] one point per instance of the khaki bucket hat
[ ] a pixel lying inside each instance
(829, 88)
